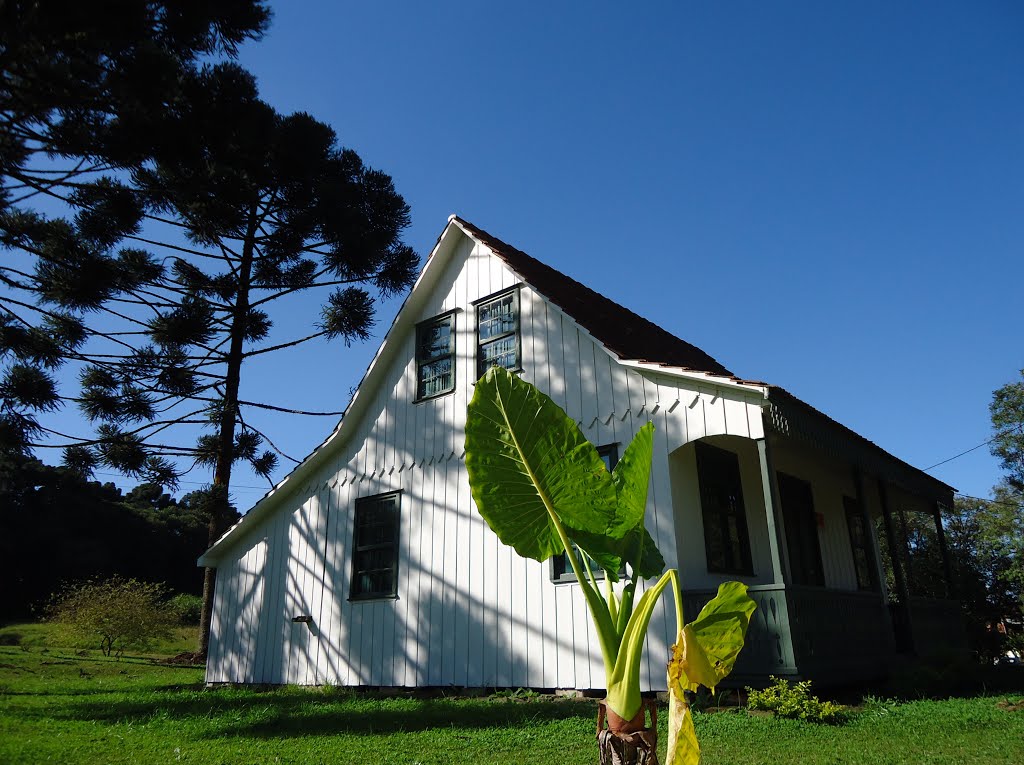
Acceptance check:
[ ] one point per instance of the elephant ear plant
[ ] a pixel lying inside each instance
(543, 489)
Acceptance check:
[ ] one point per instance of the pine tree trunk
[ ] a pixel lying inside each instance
(226, 434)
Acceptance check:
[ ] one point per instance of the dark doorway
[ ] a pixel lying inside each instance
(801, 531)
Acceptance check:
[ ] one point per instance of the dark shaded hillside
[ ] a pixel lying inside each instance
(56, 526)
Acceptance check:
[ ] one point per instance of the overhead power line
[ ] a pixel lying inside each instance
(989, 501)
(961, 454)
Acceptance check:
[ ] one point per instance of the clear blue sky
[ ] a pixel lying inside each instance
(824, 196)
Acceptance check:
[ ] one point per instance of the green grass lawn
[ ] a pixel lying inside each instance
(69, 705)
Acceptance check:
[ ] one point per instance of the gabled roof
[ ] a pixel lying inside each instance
(621, 331)
(637, 342)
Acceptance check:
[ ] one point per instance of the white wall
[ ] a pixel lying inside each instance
(469, 612)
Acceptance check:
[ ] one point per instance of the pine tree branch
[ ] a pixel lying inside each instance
(25, 275)
(76, 441)
(154, 306)
(128, 319)
(273, 408)
(176, 248)
(316, 285)
(290, 344)
(41, 186)
(265, 438)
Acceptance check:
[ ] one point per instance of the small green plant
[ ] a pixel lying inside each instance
(794, 701)
(188, 608)
(116, 613)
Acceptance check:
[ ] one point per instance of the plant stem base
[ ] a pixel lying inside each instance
(628, 749)
(628, 742)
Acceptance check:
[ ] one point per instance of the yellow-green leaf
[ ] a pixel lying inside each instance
(682, 738)
(708, 647)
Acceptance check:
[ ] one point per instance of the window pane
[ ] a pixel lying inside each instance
(435, 358)
(497, 317)
(436, 377)
(726, 540)
(500, 353)
(435, 340)
(801, 524)
(860, 544)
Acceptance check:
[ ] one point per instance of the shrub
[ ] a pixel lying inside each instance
(796, 702)
(10, 638)
(118, 613)
(188, 608)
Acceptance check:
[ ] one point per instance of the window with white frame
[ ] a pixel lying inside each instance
(435, 356)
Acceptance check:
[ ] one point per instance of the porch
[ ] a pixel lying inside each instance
(841, 545)
(829, 636)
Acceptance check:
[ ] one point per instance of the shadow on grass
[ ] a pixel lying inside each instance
(291, 715)
(72, 692)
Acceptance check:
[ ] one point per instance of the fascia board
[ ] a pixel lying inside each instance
(697, 377)
(432, 269)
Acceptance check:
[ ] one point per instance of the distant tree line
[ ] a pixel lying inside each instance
(57, 527)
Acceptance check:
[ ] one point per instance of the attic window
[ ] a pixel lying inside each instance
(497, 331)
(435, 356)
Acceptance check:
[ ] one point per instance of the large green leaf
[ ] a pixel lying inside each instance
(631, 476)
(704, 654)
(683, 748)
(647, 561)
(602, 548)
(528, 463)
(645, 558)
(627, 540)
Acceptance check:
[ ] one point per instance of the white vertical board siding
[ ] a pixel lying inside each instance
(469, 611)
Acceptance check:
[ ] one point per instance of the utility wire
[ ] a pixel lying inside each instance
(989, 501)
(196, 483)
(961, 454)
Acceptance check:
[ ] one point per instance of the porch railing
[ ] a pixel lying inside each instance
(840, 636)
(769, 647)
(828, 635)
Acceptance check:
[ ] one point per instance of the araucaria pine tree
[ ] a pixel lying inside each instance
(84, 88)
(236, 207)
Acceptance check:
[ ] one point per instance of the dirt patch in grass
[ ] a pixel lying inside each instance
(185, 659)
(1011, 706)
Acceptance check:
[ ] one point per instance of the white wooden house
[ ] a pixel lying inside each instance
(369, 565)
